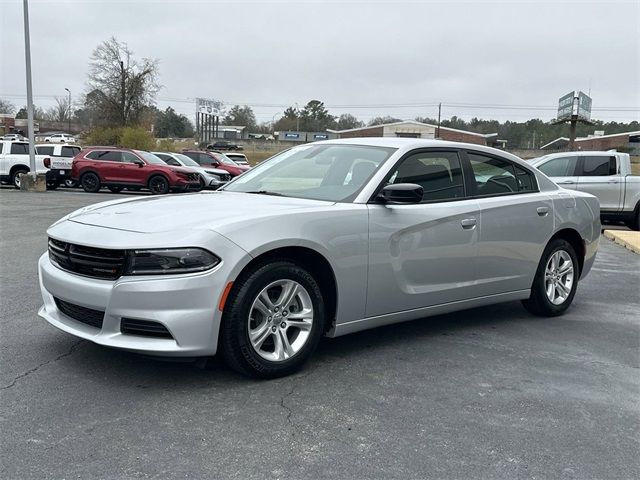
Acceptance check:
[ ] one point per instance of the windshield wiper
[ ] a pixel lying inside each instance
(266, 192)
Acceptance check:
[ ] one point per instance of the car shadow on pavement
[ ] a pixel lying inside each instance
(113, 366)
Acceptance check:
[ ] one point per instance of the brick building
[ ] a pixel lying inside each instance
(628, 141)
(413, 129)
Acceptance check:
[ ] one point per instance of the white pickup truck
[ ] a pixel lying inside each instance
(607, 175)
(60, 163)
(14, 160)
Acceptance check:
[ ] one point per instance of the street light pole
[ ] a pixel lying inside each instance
(27, 57)
(69, 108)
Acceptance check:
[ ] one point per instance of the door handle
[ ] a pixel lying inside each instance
(566, 182)
(468, 223)
(612, 181)
(543, 211)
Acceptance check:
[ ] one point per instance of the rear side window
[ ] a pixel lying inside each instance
(598, 166)
(69, 151)
(105, 155)
(498, 176)
(44, 150)
(129, 157)
(193, 156)
(20, 148)
(560, 167)
(438, 173)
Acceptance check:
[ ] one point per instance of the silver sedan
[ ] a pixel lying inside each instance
(210, 178)
(322, 239)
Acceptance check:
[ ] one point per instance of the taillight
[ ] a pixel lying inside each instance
(47, 162)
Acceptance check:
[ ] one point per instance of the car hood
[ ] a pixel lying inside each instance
(175, 213)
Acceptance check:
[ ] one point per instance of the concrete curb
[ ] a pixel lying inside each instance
(629, 240)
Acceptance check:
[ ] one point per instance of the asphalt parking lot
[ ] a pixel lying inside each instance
(485, 393)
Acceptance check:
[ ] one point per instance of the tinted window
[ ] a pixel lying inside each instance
(497, 176)
(128, 157)
(44, 150)
(559, 167)
(596, 166)
(438, 173)
(105, 155)
(193, 156)
(69, 151)
(20, 148)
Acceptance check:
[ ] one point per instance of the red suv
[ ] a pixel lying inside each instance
(117, 168)
(216, 160)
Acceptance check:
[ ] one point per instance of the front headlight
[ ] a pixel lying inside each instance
(169, 261)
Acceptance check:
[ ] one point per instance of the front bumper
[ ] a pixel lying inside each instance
(185, 304)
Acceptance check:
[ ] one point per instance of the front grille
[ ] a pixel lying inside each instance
(88, 261)
(144, 328)
(85, 315)
(226, 177)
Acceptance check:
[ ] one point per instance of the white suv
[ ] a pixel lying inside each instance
(60, 138)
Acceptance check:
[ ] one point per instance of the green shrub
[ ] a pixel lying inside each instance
(166, 145)
(138, 138)
(104, 136)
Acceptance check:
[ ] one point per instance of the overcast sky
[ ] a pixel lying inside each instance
(368, 58)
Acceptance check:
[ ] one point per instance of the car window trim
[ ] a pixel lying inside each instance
(385, 179)
(471, 175)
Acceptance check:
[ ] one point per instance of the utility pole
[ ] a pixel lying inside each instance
(69, 108)
(122, 87)
(297, 117)
(27, 55)
(439, 113)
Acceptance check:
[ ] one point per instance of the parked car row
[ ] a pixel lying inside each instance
(118, 168)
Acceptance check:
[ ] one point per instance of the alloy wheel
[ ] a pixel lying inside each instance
(559, 277)
(280, 320)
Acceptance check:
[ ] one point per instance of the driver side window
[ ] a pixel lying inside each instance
(438, 173)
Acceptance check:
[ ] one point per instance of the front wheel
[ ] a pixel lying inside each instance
(556, 280)
(70, 183)
(158, 185)
(634, 224)
(272, 321)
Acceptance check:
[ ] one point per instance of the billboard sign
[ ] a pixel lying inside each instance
(574, 105)
(208, 107)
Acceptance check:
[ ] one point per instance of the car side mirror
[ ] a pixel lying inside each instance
(401, 193)
(140, 163)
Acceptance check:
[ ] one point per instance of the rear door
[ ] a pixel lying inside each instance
(562, 170)
(598, 175)
(107, 163)
(516, 221)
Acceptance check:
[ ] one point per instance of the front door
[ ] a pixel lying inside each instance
(562, 170)
(423, 254)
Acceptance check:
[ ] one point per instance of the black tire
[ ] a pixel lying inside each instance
(90, 182)
(539, 303)
(158, 185)
(201, 185)
(70, 183)
(15, 177)
(234, 343)
(634, 224)
(53, 184)
(115, 189)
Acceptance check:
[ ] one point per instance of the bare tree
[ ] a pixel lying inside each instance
(121, 85)
(7, 107)
(60, 112)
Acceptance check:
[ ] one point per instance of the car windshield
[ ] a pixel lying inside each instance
(224, 159)
(324, 172)
(189, 162)
(150, 158)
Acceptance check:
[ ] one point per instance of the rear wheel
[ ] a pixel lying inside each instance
(90, 182)
(53, 184)
(115, 189)
(272, 320)
(158, 185)
(70, 183)
(15, 176)
(556, 280)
